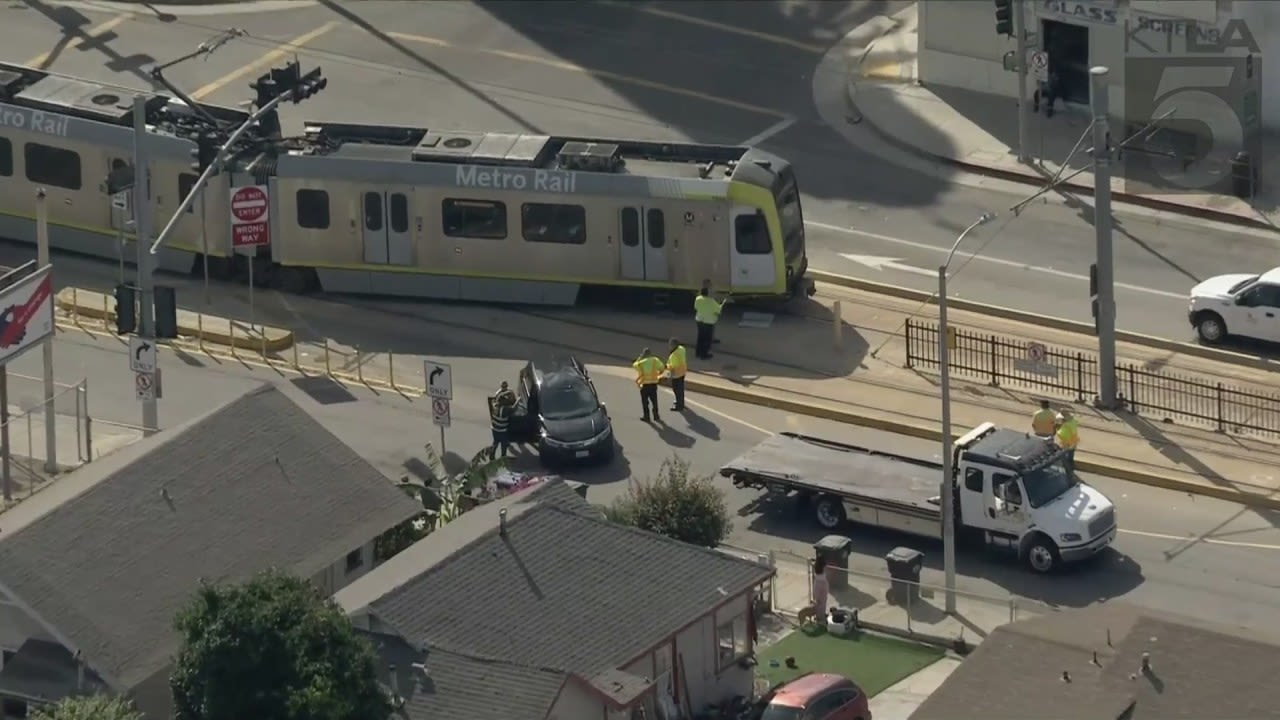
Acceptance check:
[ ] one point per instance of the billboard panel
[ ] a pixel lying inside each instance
(26, 313)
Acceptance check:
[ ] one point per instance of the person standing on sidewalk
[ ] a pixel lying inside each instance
(1069, 438)
(1044, 422)
(501, 406)
(649, 370)
(821, 590)
(677, 367)
(706, 313)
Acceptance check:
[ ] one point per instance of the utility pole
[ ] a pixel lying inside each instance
(50, 418)
(142, 223)
(1024, 120)
(1105, 300)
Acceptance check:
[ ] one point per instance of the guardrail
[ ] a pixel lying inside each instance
(1000, 361)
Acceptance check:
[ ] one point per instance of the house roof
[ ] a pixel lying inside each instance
(458, 686)
(107, 555)
(548, 593)
(1197, 669)
(46, 671)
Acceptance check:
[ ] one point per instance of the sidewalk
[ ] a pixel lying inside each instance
(976, 131)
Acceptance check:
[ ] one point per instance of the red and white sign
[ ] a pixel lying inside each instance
(26, 313)
(250, 219)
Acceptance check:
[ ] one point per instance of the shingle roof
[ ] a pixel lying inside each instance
(1198, 670)
(548, 595)
(108, 554)
(457, 686)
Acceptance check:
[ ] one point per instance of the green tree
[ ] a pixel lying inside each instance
(686, 507)
(93, 707)
(272, 649)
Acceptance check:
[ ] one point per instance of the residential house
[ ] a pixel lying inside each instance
(93, 568)
(1113, 661)
(535, 607)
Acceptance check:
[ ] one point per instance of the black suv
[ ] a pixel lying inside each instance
(563, 414)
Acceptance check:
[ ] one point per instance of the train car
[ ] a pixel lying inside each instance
(65, 135)
(411, 212)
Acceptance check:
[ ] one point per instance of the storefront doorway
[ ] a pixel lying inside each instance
(1068, 48)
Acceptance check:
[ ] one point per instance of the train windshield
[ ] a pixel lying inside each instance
(790, 215)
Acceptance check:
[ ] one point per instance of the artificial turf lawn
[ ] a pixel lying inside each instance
(874, 662)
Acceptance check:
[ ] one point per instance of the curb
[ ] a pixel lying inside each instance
(920, 296)
(270, 339)
(1038, 180)
(897, 427)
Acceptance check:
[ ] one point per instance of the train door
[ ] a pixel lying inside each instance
(751, 251)
(644, 243)
(387, 239)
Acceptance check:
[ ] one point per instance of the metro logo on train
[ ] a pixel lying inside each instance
(556, 181)
(36, 120)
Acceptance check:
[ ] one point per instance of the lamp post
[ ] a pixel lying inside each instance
(944, 362)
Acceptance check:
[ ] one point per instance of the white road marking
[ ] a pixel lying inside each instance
(875, 262)
(988, 258)
(769, 132)
(727, 416)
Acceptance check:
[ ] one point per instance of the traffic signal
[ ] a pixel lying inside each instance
(126, 310)
(205, 153)
(266, 88)
(166, 312)
(309, 85)
(1004, 17)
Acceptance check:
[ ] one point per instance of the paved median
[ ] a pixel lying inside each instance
(861, 382)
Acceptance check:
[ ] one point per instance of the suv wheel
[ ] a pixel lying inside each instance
(1210, 328)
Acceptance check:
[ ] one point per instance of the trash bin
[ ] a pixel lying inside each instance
(905, 566)
(834, 549)
(1244, 176)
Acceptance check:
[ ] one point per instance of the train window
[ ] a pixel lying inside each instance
(373, 211)
(751, 235)
(550, 223)
(656, 227)
(630, 227)
(186, 181)
(6, 157)
(483, 219)
(52, 166)
(399, 213)
(313, 209)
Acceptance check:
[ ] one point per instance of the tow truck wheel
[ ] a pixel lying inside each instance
(1042, 555)
(830, 512)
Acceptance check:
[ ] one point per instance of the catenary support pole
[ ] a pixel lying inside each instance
(50, 418)
(4, 432)
(1024, 109)
(1106, 321)
(142, 222)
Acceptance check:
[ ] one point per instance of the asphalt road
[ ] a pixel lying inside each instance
(719, 72)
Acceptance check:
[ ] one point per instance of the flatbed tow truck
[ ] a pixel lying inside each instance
(1012, 492)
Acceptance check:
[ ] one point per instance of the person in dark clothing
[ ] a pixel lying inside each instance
(501, 407)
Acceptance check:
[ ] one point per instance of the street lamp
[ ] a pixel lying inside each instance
(944, 362)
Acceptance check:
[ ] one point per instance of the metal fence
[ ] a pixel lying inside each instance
(1000, 361)
(26, 428)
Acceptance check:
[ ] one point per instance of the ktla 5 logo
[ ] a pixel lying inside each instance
(1198, 113)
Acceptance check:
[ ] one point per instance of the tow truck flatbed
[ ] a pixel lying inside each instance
(864, 477)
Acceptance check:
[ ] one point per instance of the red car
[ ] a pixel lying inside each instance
(818, 696)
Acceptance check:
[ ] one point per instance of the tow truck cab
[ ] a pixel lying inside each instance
(1014, 489)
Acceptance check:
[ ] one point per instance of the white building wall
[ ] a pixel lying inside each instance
(576, 703)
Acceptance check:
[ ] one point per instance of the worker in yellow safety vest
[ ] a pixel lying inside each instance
(706, 312)
(677, 366)
(1069, 438)
(649, 370)
(1044, 422)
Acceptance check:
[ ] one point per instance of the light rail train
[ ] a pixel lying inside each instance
(403, 211)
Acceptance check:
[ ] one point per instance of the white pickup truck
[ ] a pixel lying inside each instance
(1012, 491)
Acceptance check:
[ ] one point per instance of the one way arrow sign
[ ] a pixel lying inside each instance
(142, 355)
(875, 262)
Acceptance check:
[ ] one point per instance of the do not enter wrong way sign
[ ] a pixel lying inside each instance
(250, 217)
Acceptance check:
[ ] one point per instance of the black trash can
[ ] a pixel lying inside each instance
(835, 549)
(905, 566)
(1244, 176)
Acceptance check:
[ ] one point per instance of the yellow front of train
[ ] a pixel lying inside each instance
(768, 255)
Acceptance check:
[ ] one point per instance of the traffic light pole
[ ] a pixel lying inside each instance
(213, 168)
(1024, 119)
(146, 276)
